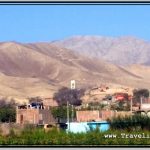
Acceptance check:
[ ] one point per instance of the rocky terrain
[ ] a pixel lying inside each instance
(125, 50)
(40, 69)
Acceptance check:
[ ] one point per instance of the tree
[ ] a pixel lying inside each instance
(72, 95)
(138, 93)
(7, 114)
(7, 110)
(60, 112)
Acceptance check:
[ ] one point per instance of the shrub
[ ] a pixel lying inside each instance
(135, 122)
(61, 138)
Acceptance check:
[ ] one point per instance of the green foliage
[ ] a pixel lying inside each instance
(7, 111)
(7, 114)
(135, 122)
(60, 112)
(121, 106)
(61, 138)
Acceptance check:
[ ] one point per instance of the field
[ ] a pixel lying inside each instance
(34, 137)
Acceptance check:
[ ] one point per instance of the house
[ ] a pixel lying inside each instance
(33, 113)
(121, 96)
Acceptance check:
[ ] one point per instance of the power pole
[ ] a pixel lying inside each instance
(72, 113)
(68, 115)
(131, 104)
(141, 102)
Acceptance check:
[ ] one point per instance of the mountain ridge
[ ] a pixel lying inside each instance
(40, 69)
(125, 50)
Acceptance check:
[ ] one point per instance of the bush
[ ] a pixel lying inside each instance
(7, 110)
(61, 138)
(135, 122)
(60, 112)
(7, 115)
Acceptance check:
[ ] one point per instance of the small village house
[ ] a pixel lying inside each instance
(34, 113)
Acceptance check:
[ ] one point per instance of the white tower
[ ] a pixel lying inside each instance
(73, 84)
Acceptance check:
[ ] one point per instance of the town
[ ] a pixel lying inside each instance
(106, 103)
(74, 74)
(73, 110)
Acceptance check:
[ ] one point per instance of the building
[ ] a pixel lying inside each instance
(121, 96)
(34, 113)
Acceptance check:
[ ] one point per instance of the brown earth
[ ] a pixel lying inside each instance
(39, 69)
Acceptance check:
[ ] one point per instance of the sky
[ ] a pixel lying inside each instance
(43, 23)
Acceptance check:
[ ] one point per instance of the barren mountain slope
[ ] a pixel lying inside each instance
(21, 88)
(87, 70)
(39, 69)
(68, 57)
(141, 70)
(122, 50)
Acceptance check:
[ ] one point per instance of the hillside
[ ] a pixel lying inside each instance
(40, 69)
(124, 50)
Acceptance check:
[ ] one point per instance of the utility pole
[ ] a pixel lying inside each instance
(68, 115)
(72, 113)
(141, 102)
(131, 104)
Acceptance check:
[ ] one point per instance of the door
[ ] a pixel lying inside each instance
(21, 119)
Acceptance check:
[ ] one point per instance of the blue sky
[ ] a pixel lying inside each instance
(36, 23)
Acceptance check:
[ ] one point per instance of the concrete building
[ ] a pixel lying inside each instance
(33, 113)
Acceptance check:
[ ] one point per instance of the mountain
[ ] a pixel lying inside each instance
(40, 69)
(125, 50)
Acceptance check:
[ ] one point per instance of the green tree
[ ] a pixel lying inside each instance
(60, 112)
(7, 110)
(7, 114)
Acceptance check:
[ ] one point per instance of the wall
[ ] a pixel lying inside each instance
(46, 116)
(30, 116)
(122, 113)
(96, 115)
(87, 115)
(106, 114)
(145, 106)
